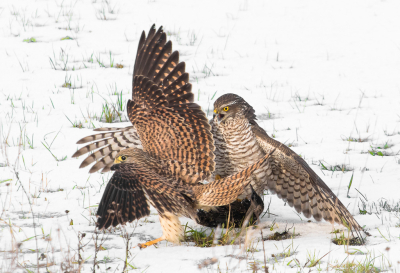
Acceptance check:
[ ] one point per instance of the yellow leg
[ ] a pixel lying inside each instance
(149, 243)
(172, 230)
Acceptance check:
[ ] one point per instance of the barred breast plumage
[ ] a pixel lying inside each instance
(240, 149)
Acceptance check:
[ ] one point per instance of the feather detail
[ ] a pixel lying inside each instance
(225, 191)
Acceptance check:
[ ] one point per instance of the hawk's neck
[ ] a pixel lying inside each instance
(242, 145)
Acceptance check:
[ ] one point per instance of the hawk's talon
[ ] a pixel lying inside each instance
(149, 243)
(141, 246)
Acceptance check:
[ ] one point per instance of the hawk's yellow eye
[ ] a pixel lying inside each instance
(120, 159)
(215, 110)
(226, 108)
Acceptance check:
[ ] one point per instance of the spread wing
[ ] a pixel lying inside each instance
(170, 126)
(175, 131)
(130, 190)
(123, 201)
(156, 62)
(294, 181)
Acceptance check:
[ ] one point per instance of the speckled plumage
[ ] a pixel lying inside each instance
(167, 152)
(240, 142)
(160, 80)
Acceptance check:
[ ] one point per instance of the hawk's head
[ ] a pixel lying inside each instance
(231, 106)
(128, 156)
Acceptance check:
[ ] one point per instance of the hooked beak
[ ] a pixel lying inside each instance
(219, 116)
(117, 161)
(116, 164)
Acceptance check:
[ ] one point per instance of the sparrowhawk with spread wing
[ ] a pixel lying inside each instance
(163, 158)
(162, 95)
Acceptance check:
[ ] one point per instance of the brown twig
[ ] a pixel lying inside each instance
(29, 200)
(229, 217)
(315, 263)
(265, 259)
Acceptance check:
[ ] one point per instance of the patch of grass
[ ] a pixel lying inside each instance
(298, 97)
(99, 61)
(312, 259)
(374, 152)
(72, 83)
(279, 236)
(119, 66)
(192, 37)
(355, 267)
(393, 207)
(292, 144)
(113, 112)
(379, 150)
(60, 62)
(30, 40)
(336, 231)
(365, 266)
(6, 180)
(66, 38)
(113, 90)
(298, 106)
(386, 145)
(321, 101)
(201, 239)
(57, 159)
(75, 124)
(111, 60)
(287, 252)
(48, 146)
(66, 85)
(363, 210)
(109, 113)
(349, 186)
(334, 168)
(343, 240)
(107, 11)
(206, 70)
(354, 139)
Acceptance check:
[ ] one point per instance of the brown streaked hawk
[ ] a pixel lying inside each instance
(167, 152)
(239, 142)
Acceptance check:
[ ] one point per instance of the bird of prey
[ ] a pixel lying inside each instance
(238, 139)
(167, 152)
(239, 142)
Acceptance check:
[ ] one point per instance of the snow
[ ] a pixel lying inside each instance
(317, 73)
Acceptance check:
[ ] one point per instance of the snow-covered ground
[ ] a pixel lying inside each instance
(323, 76)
